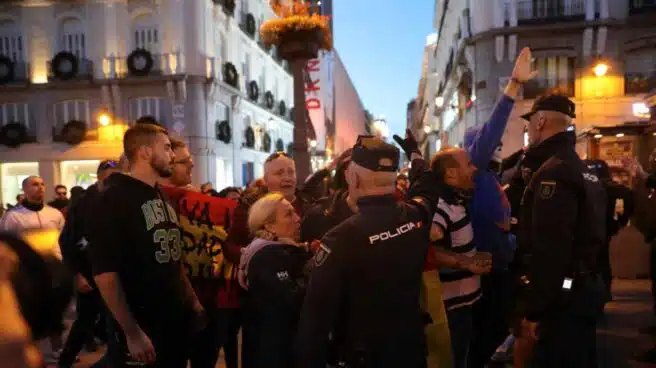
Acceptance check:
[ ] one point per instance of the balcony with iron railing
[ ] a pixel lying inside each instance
(163, 64)
(541, 86)
(641, 6)
(16, 72)
(635, 83)
(67, 70)
(547, 11)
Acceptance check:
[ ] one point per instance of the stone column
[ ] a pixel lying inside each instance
(50, 173)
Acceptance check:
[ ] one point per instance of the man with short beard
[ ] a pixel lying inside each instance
(136, 256)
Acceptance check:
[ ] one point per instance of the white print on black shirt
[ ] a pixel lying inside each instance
(169, 242)
(153, 212)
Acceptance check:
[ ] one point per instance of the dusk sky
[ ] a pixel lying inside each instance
(381, 44)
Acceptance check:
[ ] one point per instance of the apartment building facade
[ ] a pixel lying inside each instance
(600, 53)
(73, 75)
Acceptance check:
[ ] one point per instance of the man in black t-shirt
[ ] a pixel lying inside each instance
(136, 255)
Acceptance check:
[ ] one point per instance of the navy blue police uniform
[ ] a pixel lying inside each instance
(367, 275)
(561, 229)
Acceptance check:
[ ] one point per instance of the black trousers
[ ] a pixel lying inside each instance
(230, 323)
(490, 317)
(88, 309)
(204, 349)
(567, 341)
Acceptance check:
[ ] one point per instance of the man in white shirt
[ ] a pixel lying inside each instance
(40, 225)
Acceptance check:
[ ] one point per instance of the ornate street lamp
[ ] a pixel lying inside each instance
(298, 36)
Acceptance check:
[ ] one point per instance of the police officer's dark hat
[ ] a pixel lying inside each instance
(558, 103)
(375, 154)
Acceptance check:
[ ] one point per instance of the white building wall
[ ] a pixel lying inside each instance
(195, 39)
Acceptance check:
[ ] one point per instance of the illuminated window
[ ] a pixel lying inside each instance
(224, 177)
(78, 173)
(12, 175)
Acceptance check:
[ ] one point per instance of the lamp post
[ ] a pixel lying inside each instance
(298, 36)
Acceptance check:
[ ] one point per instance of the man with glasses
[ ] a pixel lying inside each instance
(61, 200)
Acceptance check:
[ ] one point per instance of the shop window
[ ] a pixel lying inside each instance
(247, 173)
(640, 71)
(78, 173)
(223, 174)
(12, 175)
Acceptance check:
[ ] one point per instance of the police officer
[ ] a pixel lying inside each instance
(562, 227)
(370, 267)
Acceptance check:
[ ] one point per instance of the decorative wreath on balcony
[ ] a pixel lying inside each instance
(230, 75)
(249, 136)
(294, 17)
(250, 25)
(6, 70)
(223, 131)
(140, 62)
(229, 6)
(13, 134)
(280, 146)
(282, 108)
(269, 101)
(253, 91)
(65, 65)
(266, 142)
(74, 132)
(290, 149)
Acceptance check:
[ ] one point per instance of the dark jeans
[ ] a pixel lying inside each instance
(567, 341)
(230, 323)
(490, 317)
(603, 261)
(652, 273)
(204, 349)
(88, 310)
(461, 329)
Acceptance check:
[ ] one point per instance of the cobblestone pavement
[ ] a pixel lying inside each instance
(619, 338)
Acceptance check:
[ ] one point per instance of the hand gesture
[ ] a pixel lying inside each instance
(523, 70)
(140, 347)
(409, 144)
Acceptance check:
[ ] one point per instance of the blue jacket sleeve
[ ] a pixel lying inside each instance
(488, 137)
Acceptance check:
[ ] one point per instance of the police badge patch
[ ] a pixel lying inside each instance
(547, 189)
(322, 254)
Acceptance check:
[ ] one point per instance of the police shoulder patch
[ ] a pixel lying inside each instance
(322, 254)
(547, 189)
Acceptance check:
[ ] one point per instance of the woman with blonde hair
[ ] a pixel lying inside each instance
(272, 270)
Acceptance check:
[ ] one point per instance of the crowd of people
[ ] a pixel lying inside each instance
(462, 261)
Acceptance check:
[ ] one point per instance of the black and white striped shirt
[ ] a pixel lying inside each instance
(459, 287)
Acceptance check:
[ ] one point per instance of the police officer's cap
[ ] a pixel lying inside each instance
(375, 154)
(558, 103)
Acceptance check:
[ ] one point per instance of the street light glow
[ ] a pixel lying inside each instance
(600, 69)
(104, 119)
(439, 101)
(598, 136)
(427, 129)
(313, 143)
(619, 135)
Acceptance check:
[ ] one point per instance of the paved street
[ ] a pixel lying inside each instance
(619, 337)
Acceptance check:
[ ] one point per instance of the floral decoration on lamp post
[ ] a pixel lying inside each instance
(298, 36)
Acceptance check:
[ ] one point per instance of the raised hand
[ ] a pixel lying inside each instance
(523, 70)
(409, 144)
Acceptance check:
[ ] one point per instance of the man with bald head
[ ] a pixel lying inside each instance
(561, 229)
(368, 270)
